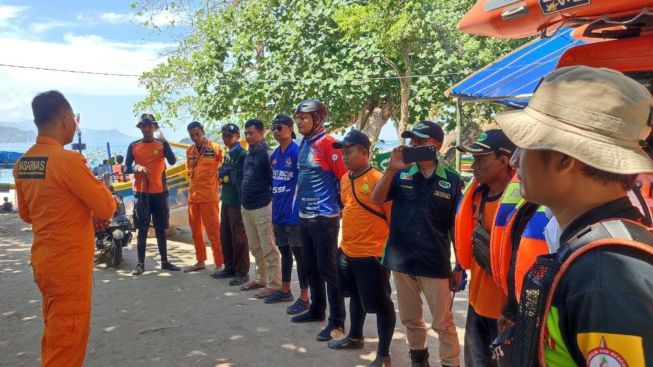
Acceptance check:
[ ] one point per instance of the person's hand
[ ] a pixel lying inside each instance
(100, 224)
(458, 279)
(503, 323)
(397, 159)
(141, 169)
(160, 136)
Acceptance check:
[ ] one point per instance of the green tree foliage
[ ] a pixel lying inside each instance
(370, 61)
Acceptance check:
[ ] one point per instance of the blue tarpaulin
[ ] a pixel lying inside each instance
(511, 79)
(8, 158)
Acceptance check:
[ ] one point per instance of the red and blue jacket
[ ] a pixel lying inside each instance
(320, 168)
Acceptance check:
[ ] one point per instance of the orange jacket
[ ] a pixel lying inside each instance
(202, 168)
(58, 195)
(500, 253)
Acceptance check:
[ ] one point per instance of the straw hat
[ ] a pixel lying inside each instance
(598, 116)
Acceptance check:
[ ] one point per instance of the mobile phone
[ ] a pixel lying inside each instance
(420, 154)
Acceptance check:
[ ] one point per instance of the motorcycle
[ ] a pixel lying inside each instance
(117, 235)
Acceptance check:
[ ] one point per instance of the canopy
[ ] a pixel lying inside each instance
(511, 79)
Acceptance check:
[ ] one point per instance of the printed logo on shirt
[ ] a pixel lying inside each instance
(441, 194)
(209, 153)
(405, 176)
(274, 161)
(444, 184)
(288, 162)
(32, 168)
(334, 157)
(366, 188)
(155, 151)
(611, 350)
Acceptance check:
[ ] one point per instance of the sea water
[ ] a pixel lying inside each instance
(94, 154)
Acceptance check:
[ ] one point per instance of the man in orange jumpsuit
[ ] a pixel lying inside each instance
(62, 200)
(202, 162)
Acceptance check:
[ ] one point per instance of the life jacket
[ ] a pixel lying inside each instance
(499, 252)
(542, 280)
(531, 245)
(464, 226)
(118, 175)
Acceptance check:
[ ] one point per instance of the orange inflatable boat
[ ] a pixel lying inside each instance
(524, 18)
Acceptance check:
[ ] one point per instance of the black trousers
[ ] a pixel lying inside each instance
(233, 240)
(320, 241)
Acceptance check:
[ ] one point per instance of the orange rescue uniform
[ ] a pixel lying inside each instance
(203, 202)
(363, 234)
(58, 195)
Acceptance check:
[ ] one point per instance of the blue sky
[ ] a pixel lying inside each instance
(102, 36)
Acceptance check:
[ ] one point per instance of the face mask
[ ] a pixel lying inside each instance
(552, 232)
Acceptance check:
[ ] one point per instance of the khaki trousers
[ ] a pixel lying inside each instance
(260, 236)
(438, 297)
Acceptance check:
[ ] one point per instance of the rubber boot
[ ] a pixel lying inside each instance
(419, 358)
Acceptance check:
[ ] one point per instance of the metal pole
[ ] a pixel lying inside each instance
(109, 160)
(79, 140)
(459, 129)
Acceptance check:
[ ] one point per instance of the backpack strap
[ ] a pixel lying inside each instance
(612, 232)
(353, 191)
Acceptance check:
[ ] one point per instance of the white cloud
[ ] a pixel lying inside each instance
(40, 27)
(112, 17)
(159, 19)
(77, 52)
(9, 12)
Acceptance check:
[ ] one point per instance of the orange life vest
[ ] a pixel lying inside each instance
(464, 226)
(499, 252)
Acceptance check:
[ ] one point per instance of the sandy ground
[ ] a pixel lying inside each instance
(174, 319)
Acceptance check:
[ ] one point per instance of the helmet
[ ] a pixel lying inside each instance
(314, 107)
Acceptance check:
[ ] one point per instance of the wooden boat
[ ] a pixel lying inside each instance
(525, 18)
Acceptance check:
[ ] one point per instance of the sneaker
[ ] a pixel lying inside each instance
(380, 361)
(138, 270)
(223, 274)
(169, 266)
(347, 343)
(307, 317)
(298, 307)
(279, 296)
(239, 280)
(330, 332)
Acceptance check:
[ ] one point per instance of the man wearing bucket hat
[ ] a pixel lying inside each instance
(146, 158)
(580, 145)
(424, 199)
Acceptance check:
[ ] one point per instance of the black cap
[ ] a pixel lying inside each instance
(488, 142)
(353, 137)
(147, 118)
(424, 130)
(230, 129)
(281, 119)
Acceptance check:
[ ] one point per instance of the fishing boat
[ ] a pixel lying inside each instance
(524, 18)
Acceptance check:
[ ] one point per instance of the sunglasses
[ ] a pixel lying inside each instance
(278, 128)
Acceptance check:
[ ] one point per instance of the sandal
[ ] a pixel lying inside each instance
(251, 286)
(195, 267)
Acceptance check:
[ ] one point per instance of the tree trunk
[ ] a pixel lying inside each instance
(377, 120)
(405, 113)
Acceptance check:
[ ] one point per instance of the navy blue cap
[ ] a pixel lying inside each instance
(230, 129)
(424, 130)
(353, 137)
(490, 141)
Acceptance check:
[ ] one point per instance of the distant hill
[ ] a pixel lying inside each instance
(13, 135)
(25, 132)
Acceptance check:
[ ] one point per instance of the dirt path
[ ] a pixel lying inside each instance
(173, 319)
